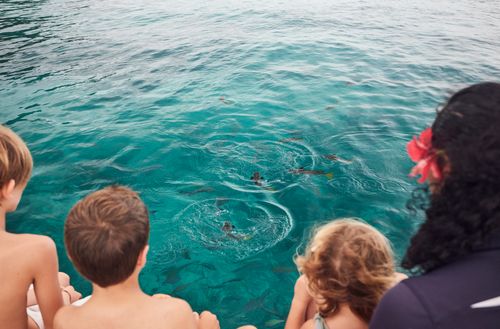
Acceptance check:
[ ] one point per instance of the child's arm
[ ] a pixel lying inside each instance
(64, 281)
(47, 290)
(301, 300)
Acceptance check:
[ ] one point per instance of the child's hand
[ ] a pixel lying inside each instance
(72, 294)
(208, 321)
(301, 293)
(399, 277)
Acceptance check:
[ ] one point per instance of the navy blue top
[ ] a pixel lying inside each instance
(442, 298)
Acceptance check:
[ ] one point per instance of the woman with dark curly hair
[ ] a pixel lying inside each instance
(457, 248)
(347, 267)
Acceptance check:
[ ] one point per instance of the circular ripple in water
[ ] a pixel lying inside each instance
(272, 159)
(258, 225)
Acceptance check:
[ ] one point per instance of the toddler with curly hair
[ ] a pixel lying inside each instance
(347, 267)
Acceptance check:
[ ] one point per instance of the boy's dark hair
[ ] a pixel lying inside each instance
(465, 210)
(105, 233)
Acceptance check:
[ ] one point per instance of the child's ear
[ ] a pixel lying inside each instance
(141, 261)
(7, 188)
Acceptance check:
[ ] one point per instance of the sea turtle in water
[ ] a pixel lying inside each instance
(257, 178)
(228, 228)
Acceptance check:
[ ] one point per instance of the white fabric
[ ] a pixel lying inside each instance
(82, 301)
(493, 302)
(35, 314)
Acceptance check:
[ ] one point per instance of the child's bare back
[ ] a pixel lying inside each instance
(137, 311)
(106, 236)
(27, 259)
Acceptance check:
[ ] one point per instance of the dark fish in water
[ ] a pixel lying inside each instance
(231, 300)
(181, 288)
(225, 101)
(272, 311)
(185, 254)
(256, 303)
(349, 83)
(172, 274)
(212, 247)
(209, 266)
(273, 322)
(330, 107)
(200, 190)
(232, 280)
(334, 157)
(225, 283)
(302, 171)
(250, 266)
(291, 139)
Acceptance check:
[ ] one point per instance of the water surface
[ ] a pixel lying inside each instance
(185, 101)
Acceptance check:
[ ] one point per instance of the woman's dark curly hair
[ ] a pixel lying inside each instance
(465, 207)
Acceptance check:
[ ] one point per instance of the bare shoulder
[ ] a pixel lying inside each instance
(64, 316)
(172, 304)
(309, 324)
(29, 240)
(45, 249)
(41, 243)
(176, 311)
(23, 246)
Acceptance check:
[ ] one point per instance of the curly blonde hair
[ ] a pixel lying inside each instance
(348, 262)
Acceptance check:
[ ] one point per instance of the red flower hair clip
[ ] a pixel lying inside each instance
(421, 151)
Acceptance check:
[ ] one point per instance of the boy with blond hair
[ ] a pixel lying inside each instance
(106, 237)
(29, 271)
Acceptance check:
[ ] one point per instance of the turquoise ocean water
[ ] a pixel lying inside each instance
(184, 101)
